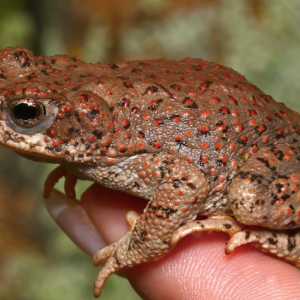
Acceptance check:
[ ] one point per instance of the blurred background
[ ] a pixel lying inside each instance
(259, 38)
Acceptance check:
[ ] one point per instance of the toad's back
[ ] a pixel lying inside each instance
(196, 110)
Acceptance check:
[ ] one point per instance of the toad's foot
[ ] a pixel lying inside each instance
(283, 244)
(115, 255)
(116, 260)
(106, 252)
(216, 223)
(55, 176)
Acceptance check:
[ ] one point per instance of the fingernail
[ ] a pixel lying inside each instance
(74, 221)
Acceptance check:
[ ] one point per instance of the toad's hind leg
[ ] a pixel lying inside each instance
(266, 193)
(180, 190)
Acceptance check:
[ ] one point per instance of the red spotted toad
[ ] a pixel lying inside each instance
(193, 137)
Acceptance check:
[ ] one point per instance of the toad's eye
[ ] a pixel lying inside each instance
(27, 112)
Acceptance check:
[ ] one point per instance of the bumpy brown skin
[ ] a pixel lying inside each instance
(193, 137)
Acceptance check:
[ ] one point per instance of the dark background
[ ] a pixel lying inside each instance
(259, 38)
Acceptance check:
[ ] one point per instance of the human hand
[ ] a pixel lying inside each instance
(197, 268)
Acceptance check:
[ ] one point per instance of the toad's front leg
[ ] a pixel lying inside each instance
(180, 189)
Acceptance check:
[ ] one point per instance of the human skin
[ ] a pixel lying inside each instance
(197, 268)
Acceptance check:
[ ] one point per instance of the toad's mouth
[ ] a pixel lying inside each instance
(35, 157)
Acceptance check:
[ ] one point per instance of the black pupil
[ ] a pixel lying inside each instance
(25, 112)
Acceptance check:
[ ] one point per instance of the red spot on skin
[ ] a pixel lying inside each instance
(157, 144)
(159, 122)
(224, 110)
(239, 128)
(204, 158)
(135, 110)
(280, 201)
(204, 145)
(223, 158)
(156, 173)
(203, 128)
(254, 149)
(91, 138)
(233, 164)
(176, 87)
(180, 192)
(126, 135)
(265, 139)
(232, 146)
(52, 133)
(218, 146)
(261, 128)
(178, 138)
(222, 178)
(189, 133)
(189, 102)
(222, 128)
(252, 112)
(106, 142)
(214, 99)
(243, 138)
(122, 147)
(205, 113)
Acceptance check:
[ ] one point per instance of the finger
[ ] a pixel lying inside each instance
(73, 220)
